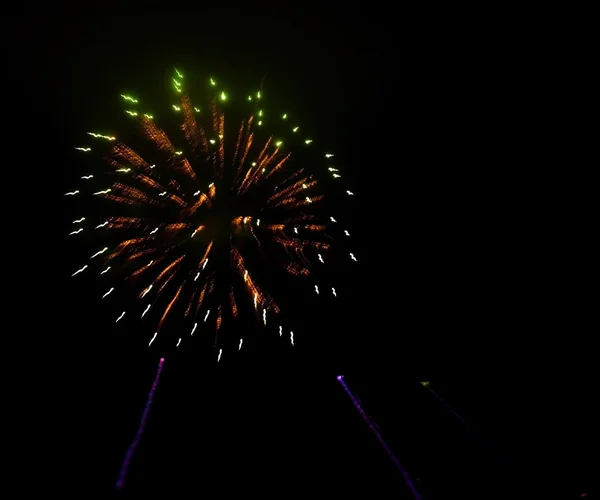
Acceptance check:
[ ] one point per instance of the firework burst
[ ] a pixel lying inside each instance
(198, 223)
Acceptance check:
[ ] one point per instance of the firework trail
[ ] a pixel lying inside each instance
(140, 431)
(427, 386)
(387, 449)
(204, 219)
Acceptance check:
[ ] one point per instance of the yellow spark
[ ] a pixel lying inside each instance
(176, 108)
(308, 141)
(85, 150)
(179, 75)
(212, 82)
(284, 116)
(131, 113)
(278, 143)
(223, 96)
(106, 191)
(296, 129)
(124, 170)
(128, 98)
(100, 136)
(150, 117)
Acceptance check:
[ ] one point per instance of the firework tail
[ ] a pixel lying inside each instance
(444, 404)
(385, 446)
(140, 431)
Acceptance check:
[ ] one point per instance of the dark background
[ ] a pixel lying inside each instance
(467, 276)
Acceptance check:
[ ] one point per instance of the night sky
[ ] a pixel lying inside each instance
(459, 280)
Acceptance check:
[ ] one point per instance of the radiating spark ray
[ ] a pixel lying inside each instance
(104, 224)
(207, 314)
(75, 232)
(194, 329)
(292, 338)
(353, 257)
(108, 293)
(79, 221)
(144, 314)
(220, 354)
(71, 193)
(87, 177)
(120, 317)
(178, 342)
(334, 294)
(241, 342)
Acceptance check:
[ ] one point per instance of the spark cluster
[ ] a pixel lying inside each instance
(196, 220)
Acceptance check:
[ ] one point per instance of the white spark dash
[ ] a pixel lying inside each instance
(80, 271)
(120, 317)
(108, 293)
(99, 253)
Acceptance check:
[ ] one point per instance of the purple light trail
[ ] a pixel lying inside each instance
(387, 449)
(140, 431)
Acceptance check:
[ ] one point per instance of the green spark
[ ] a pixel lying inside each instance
(100, 136)
(179, 75)
(223, 96)
(129, 98)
